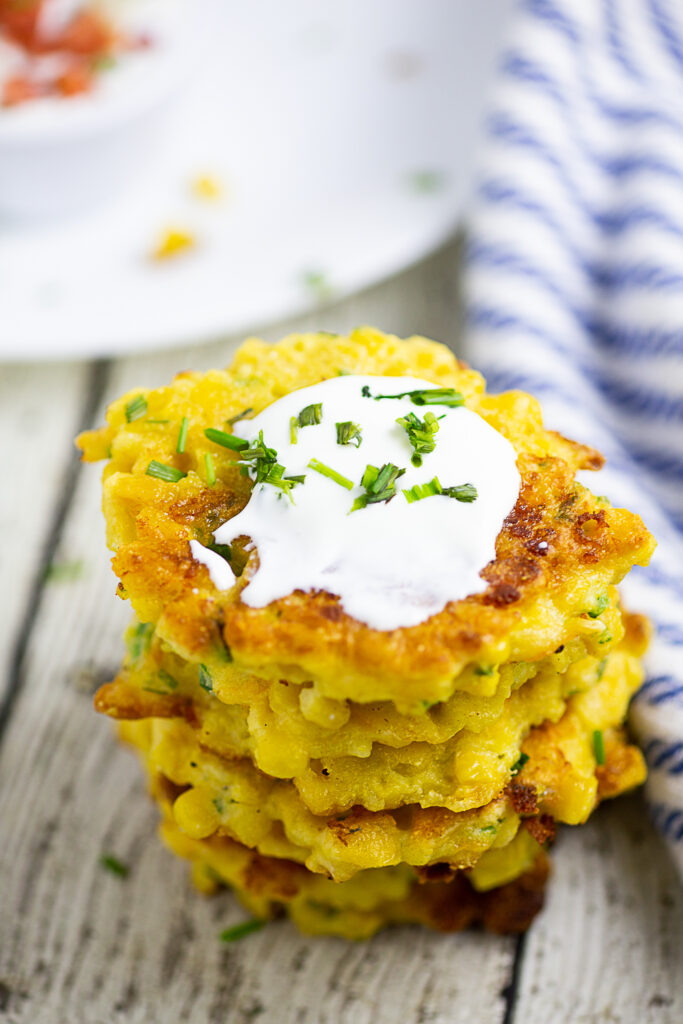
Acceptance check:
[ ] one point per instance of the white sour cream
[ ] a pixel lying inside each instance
(394, 563)
(220, 572)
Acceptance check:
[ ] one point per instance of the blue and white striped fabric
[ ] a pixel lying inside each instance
(574, 286)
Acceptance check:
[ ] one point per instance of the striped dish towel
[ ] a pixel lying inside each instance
(574, 288)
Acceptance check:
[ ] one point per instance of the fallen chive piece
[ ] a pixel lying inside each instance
(236, 444)
(163, 472)
(324, 470)
(599, 746)
(167, 679)
(379, 485)
(463, 492)
(240, 415)
(599, 607)
(519, 764)
(64, 572)
(311, 415)
(210, 469)
(420, 434)
(136, 408)
(182, 435)
(205, 680)
(114, 865)
(293, 429)
(349, 433)
(240, 930)
(423, 396)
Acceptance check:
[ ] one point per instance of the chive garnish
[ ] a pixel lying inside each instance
(113, 864)
(423, 396)
(293, 429)
(519, 764)
(599, 746)
(419, 491)
(605, 637)
(239, 416)
(379, 485)
(235, 444)
(182, 435)
(311, 415)
(483, 670)
(156, 421)
(139, 640)
(163, 472)
(240, 930)
(420, 434)
(463, 492)
(224, 550)
(136, 408)
(599, 606)
(349, 433)
(205, 680)
(332, 474)
(210, 469)
(266, 468)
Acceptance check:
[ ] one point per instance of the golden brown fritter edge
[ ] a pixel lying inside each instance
(558, 546)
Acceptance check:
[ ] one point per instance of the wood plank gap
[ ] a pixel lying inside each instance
(511, 990)
(96, 383)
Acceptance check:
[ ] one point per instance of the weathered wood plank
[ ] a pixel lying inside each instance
(608, 946)
(40, 409)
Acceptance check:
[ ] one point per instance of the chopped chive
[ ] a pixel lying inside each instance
(605, 637)
(599, 606)
(293, 429)
(210, 469)
(599, 746)
(139, 639)
(296, 479)
(163, 472)
(157, 421)
(182, 435)
(419, 491)
(240, 416)
(113, 864)
(519, 764)
(379, 485)
(136, 408)
(484, 670)
(205, 680)
(236, 444)
(420, 434)
(602, 665)
(332, 474)
(240, 930)
(423, 396)
(224, 550)
(349, 433)
(462, 492)
(167, 679)
(311, 415)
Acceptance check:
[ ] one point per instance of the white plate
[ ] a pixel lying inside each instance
(343, 137)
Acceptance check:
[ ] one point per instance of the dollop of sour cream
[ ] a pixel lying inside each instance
(391, 563)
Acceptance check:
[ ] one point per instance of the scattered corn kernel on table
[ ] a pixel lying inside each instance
(83, 945)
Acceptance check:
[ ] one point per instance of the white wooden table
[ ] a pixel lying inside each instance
(81, 946)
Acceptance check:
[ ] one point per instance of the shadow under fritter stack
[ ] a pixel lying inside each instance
(353, 777)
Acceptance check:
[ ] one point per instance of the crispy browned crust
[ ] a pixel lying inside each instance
(553, 533)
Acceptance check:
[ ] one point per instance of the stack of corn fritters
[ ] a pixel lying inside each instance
(354, 777)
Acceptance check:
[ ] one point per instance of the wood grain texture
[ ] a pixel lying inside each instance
(81, 946)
